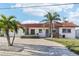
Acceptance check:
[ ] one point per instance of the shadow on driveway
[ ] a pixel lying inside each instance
(43, 50)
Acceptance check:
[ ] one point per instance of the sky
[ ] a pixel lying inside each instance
(36, 14)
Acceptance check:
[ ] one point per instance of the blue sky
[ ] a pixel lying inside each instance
(34, 15)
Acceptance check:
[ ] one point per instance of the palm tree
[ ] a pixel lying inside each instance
(51, 17)
(8, 24)
(16, 25)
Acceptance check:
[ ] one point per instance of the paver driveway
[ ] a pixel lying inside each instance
(38, 47)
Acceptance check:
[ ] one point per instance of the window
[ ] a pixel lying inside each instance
(32, 31)
(40, 30)
(69, 30)
(66, 30)
(53, 30)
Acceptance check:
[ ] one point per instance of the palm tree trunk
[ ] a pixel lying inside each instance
(52, 35)
(13, 39)
(50, 29)
(8, 37)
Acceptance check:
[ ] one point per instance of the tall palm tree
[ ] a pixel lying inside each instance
(51, 17)
(8, 24)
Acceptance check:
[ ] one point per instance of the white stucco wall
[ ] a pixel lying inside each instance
(42, 34)
(68, 35)
(20, 33)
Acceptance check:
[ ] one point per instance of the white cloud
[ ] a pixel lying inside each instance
(16, 5)
(41, 11)
(37, 12)
(67, 6)
(30, 21)
(73, 16)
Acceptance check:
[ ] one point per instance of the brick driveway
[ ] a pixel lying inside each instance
(37, 47)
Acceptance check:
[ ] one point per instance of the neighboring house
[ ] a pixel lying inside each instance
(65, 29)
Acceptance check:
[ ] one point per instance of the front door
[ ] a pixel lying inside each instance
(47, 33)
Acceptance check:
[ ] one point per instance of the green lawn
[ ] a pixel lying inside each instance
(72, 44)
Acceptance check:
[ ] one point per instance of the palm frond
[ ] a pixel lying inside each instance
(3, 17)
(58, 19)
(1, 25)
(1, 20)
(11, 17)
(22, 28)
(45, 20)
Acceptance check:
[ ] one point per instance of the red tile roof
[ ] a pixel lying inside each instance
(68, 24)
(56, 24)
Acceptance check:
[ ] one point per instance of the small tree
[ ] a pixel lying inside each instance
(8, 24)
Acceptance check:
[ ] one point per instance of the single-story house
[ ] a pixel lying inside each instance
(61, 29)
